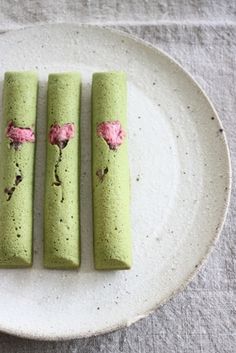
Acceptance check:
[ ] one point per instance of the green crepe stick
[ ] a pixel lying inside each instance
(61, 224)
(17, 168)
(111, 189)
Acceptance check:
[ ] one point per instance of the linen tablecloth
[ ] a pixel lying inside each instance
(201, 35)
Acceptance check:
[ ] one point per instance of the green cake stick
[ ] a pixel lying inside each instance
(17, 168)
(111, 191)
(61, 219)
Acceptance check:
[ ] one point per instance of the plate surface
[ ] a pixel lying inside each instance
(180, 178)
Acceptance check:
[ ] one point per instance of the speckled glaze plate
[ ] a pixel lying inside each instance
(180, 179)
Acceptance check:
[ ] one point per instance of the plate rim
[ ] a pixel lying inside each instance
(110, 28)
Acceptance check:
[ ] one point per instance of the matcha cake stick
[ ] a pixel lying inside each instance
(61, 220)
(111, 194)
(17, 168)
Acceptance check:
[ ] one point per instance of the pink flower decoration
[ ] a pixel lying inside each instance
(112, 132)
(60, 134)
(18, 135)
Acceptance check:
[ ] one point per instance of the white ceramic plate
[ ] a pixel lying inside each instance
(180, 176)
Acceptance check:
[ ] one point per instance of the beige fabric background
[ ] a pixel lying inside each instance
(201, 35)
